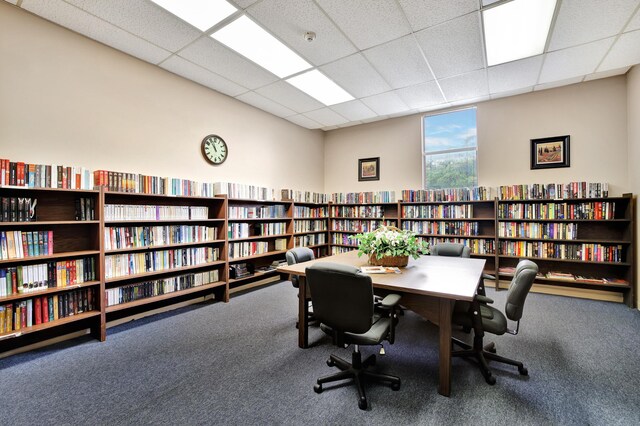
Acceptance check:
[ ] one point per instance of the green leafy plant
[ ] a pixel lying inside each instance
(390, 241)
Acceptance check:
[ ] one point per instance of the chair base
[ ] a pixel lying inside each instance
(356, 370)
(482, 355)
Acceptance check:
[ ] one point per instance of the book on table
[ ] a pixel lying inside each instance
(380, 270)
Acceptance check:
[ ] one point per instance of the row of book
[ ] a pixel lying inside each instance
(125, 237)
(257, 212)
(153, 185)
(591, 252)
(477, 193)
(440, 211)
(246, 230)
(120, 265)
(244, 191)
(18, 209)
(551, 191)
(442, 227)
(566, 276)
(303, 196)
(23, 244)
(358, 211)
(153, 212)
(309, 240)
(29, 175)
(360, 225)
(341, 249)
(592, 210)
(477, 245)
(252, 248)
(144, 290)
(39, 310)
(304, 212)
(551, 231)
(33, 278)
(363, 197)
(343, 239)
(85, 208)
(309, 225)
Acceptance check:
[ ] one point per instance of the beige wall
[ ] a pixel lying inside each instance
(633, 105)
(593, 113)
(65, 99)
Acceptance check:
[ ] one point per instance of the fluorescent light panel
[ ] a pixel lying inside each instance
(202, 14)
(252, 41)
(517, 29)
(319, 86)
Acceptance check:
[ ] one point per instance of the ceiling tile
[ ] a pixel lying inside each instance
(353, 110)
(242, 4)
(88, 25)
(385, 103)
(470, 101)
(514, 75)
(427, 13)
(400, 62)
(559, 83)
(303, 121)
(574, 61)
(184, 68)
(367, 23)
(289, 96)
(635, 22)
(583, 21)
(471, 85)
(326, 117)
(215, 57)
(454, 47)
(625, 52)
(605, 74)
(144, 19)
(265, 104)
(289, 20)
(355, 75)
(421, 96)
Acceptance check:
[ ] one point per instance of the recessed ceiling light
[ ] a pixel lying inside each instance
(319, 86)
(252, 41)
(516, 29)
(202, 14)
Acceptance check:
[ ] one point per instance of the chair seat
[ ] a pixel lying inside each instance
(493, 320)
(376, 334)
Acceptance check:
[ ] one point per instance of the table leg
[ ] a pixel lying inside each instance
(446, 309)
(303, 313)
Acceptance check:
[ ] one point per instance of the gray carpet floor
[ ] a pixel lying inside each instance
(238, 364)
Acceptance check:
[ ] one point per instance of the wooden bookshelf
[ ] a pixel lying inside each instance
(347, 219)
(589, 239)
(259, 233)
(75, 248)
(311, 227)
(150, 261)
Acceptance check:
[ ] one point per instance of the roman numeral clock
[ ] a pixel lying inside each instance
(214, 149)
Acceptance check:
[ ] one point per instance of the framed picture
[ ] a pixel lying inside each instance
(550, 153)
(369, 169)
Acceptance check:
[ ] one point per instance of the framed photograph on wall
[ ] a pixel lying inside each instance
(550, 153)
(369, 169)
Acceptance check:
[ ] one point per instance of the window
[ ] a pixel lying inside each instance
(449, 150)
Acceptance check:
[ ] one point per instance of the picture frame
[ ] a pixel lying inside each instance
(550, 153)
(369, 169)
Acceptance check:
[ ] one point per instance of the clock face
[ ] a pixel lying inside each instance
(214, 149)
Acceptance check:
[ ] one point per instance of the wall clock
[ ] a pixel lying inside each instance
(214, 149)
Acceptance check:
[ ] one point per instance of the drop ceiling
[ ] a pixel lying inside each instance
(396, 57)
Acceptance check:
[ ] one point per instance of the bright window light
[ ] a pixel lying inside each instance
(250, 40)
(317, 85)
(202, 14)
(517, 29)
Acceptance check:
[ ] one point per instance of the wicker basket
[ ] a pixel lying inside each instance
(399, 261)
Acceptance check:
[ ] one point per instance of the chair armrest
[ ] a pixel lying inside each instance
(484, 299)
(390, 301)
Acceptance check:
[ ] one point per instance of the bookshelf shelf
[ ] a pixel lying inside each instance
(44, 292)
(52, 324)
(113, 222)
(258, 237)
(61, 255)
(50, 222)
(165, 246)
(163, 271)
(255, 256)
(255, 275)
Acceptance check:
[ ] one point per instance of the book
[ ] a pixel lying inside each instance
(380, 270)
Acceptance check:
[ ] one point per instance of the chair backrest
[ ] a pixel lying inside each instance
(521, 283)
(342, 297)
(450, 249)
(298, 255)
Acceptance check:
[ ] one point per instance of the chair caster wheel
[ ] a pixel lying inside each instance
(523, 371)
(491, 380)
(362, 404)
(491, 347)
(395, 386)
(317, 388)
(330, 363)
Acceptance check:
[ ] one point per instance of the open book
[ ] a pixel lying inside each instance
(380, 270)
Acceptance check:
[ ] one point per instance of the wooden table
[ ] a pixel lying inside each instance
(429, 286)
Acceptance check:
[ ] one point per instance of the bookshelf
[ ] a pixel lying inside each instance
(259, 234)
(583, 245)
(50, 271)
(470, 222)
(311, 227)
(161, 249)
(347, 219)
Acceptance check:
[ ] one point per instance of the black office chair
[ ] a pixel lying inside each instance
(484, 318)
(299, 255)
(343, 303)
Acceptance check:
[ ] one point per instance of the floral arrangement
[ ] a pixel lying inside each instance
(390, 241)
